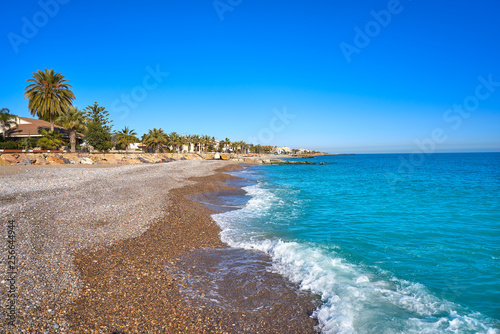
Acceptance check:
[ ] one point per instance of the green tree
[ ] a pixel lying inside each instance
(155, 139)
(183, 141)
(190, 140)
(50, 139)
(203, 142)
(126, 137)
(97, 136)
(174, 140)
(227, 144)
(74, 121)
(48, 94)
(6, 120)
(98, 115)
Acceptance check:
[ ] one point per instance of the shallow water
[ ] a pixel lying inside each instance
(389, 247)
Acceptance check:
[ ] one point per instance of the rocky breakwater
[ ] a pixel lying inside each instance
(18, 159)
(23, 159)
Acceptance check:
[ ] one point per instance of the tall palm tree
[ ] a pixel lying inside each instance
(182, 141)
(174, 140)
(6, 120)
(73, 120)
(155, 139)
(48, 93)
(189, 140)
(227, 142)
(222, 143)
(202, 141)
(196, 141)
(126, 137)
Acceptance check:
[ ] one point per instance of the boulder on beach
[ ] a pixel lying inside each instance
(12, 159)
(23, 160)
(86, 161)
(53, 160)
(225, 156)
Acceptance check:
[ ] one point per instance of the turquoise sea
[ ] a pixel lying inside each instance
(392, 243)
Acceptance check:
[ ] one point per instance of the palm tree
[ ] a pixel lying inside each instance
(196, 141)
(155, 139)
(6, 120)
(74, 121)
(243, 147)
(126, 137)
(48, 93)
(183, 141)
(202, 141)
(189, 140)
(222, 143)
(227, 143)
(235, 146)
(50, 139)
(174, 140)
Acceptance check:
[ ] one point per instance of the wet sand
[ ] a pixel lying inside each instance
(158, 281)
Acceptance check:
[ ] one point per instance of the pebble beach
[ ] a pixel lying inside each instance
(94, 245)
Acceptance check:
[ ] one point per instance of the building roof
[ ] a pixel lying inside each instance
(31, 127)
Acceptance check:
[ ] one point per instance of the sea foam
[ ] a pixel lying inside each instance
(355, 298)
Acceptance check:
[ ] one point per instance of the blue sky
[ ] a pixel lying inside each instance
(272, 73)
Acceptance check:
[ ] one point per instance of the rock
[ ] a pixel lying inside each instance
(73, 158)
(177, 156)
(55, 161)
(32, 157)
(4, 162)
(86, 161)
(249, 160)
(40, 160)
(225, 156)
(23, 160)
(9, 158)
(110, 158)
(217, 156)
(208, 156)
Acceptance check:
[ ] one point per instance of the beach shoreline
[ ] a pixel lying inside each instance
(121, 284)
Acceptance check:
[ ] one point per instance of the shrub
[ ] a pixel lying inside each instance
(8, 145)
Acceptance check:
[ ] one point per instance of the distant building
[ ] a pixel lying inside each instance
(30, 127)
(134, 146)
(282, 150)
(303, 150)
